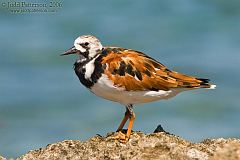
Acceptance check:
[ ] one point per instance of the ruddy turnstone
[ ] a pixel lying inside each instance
(127, 76)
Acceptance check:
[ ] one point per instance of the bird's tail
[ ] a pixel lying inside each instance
(205, 83)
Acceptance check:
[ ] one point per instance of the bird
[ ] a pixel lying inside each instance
(128, 77)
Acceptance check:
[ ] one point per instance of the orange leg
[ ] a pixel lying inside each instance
(130, 125)
(129, 114)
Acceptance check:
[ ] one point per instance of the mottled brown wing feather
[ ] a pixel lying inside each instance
(135, 71)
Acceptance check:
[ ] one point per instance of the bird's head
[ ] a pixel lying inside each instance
(87, 46)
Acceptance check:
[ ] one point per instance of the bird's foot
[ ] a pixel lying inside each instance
(123, 138)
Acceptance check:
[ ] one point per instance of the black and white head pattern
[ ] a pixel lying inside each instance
(88, 45)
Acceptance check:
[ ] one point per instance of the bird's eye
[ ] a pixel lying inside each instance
(86, 43)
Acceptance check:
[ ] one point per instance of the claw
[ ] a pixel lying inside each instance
(122, 137)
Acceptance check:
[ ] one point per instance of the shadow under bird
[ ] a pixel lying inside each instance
(127, 76)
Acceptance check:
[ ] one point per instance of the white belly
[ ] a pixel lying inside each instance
(104, 88)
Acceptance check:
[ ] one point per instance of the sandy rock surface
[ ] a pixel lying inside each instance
(159, 145)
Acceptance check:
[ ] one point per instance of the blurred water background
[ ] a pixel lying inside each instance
(42, 101)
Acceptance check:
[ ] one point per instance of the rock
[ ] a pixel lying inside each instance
(158, 145)
(2, 158)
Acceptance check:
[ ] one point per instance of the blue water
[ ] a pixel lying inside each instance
(42, 101)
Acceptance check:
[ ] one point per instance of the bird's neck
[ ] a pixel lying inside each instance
(83, 59)
(89, 70)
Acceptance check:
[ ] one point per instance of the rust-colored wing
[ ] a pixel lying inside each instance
(135, 71)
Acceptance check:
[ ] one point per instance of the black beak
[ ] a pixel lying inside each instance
(72, 50)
